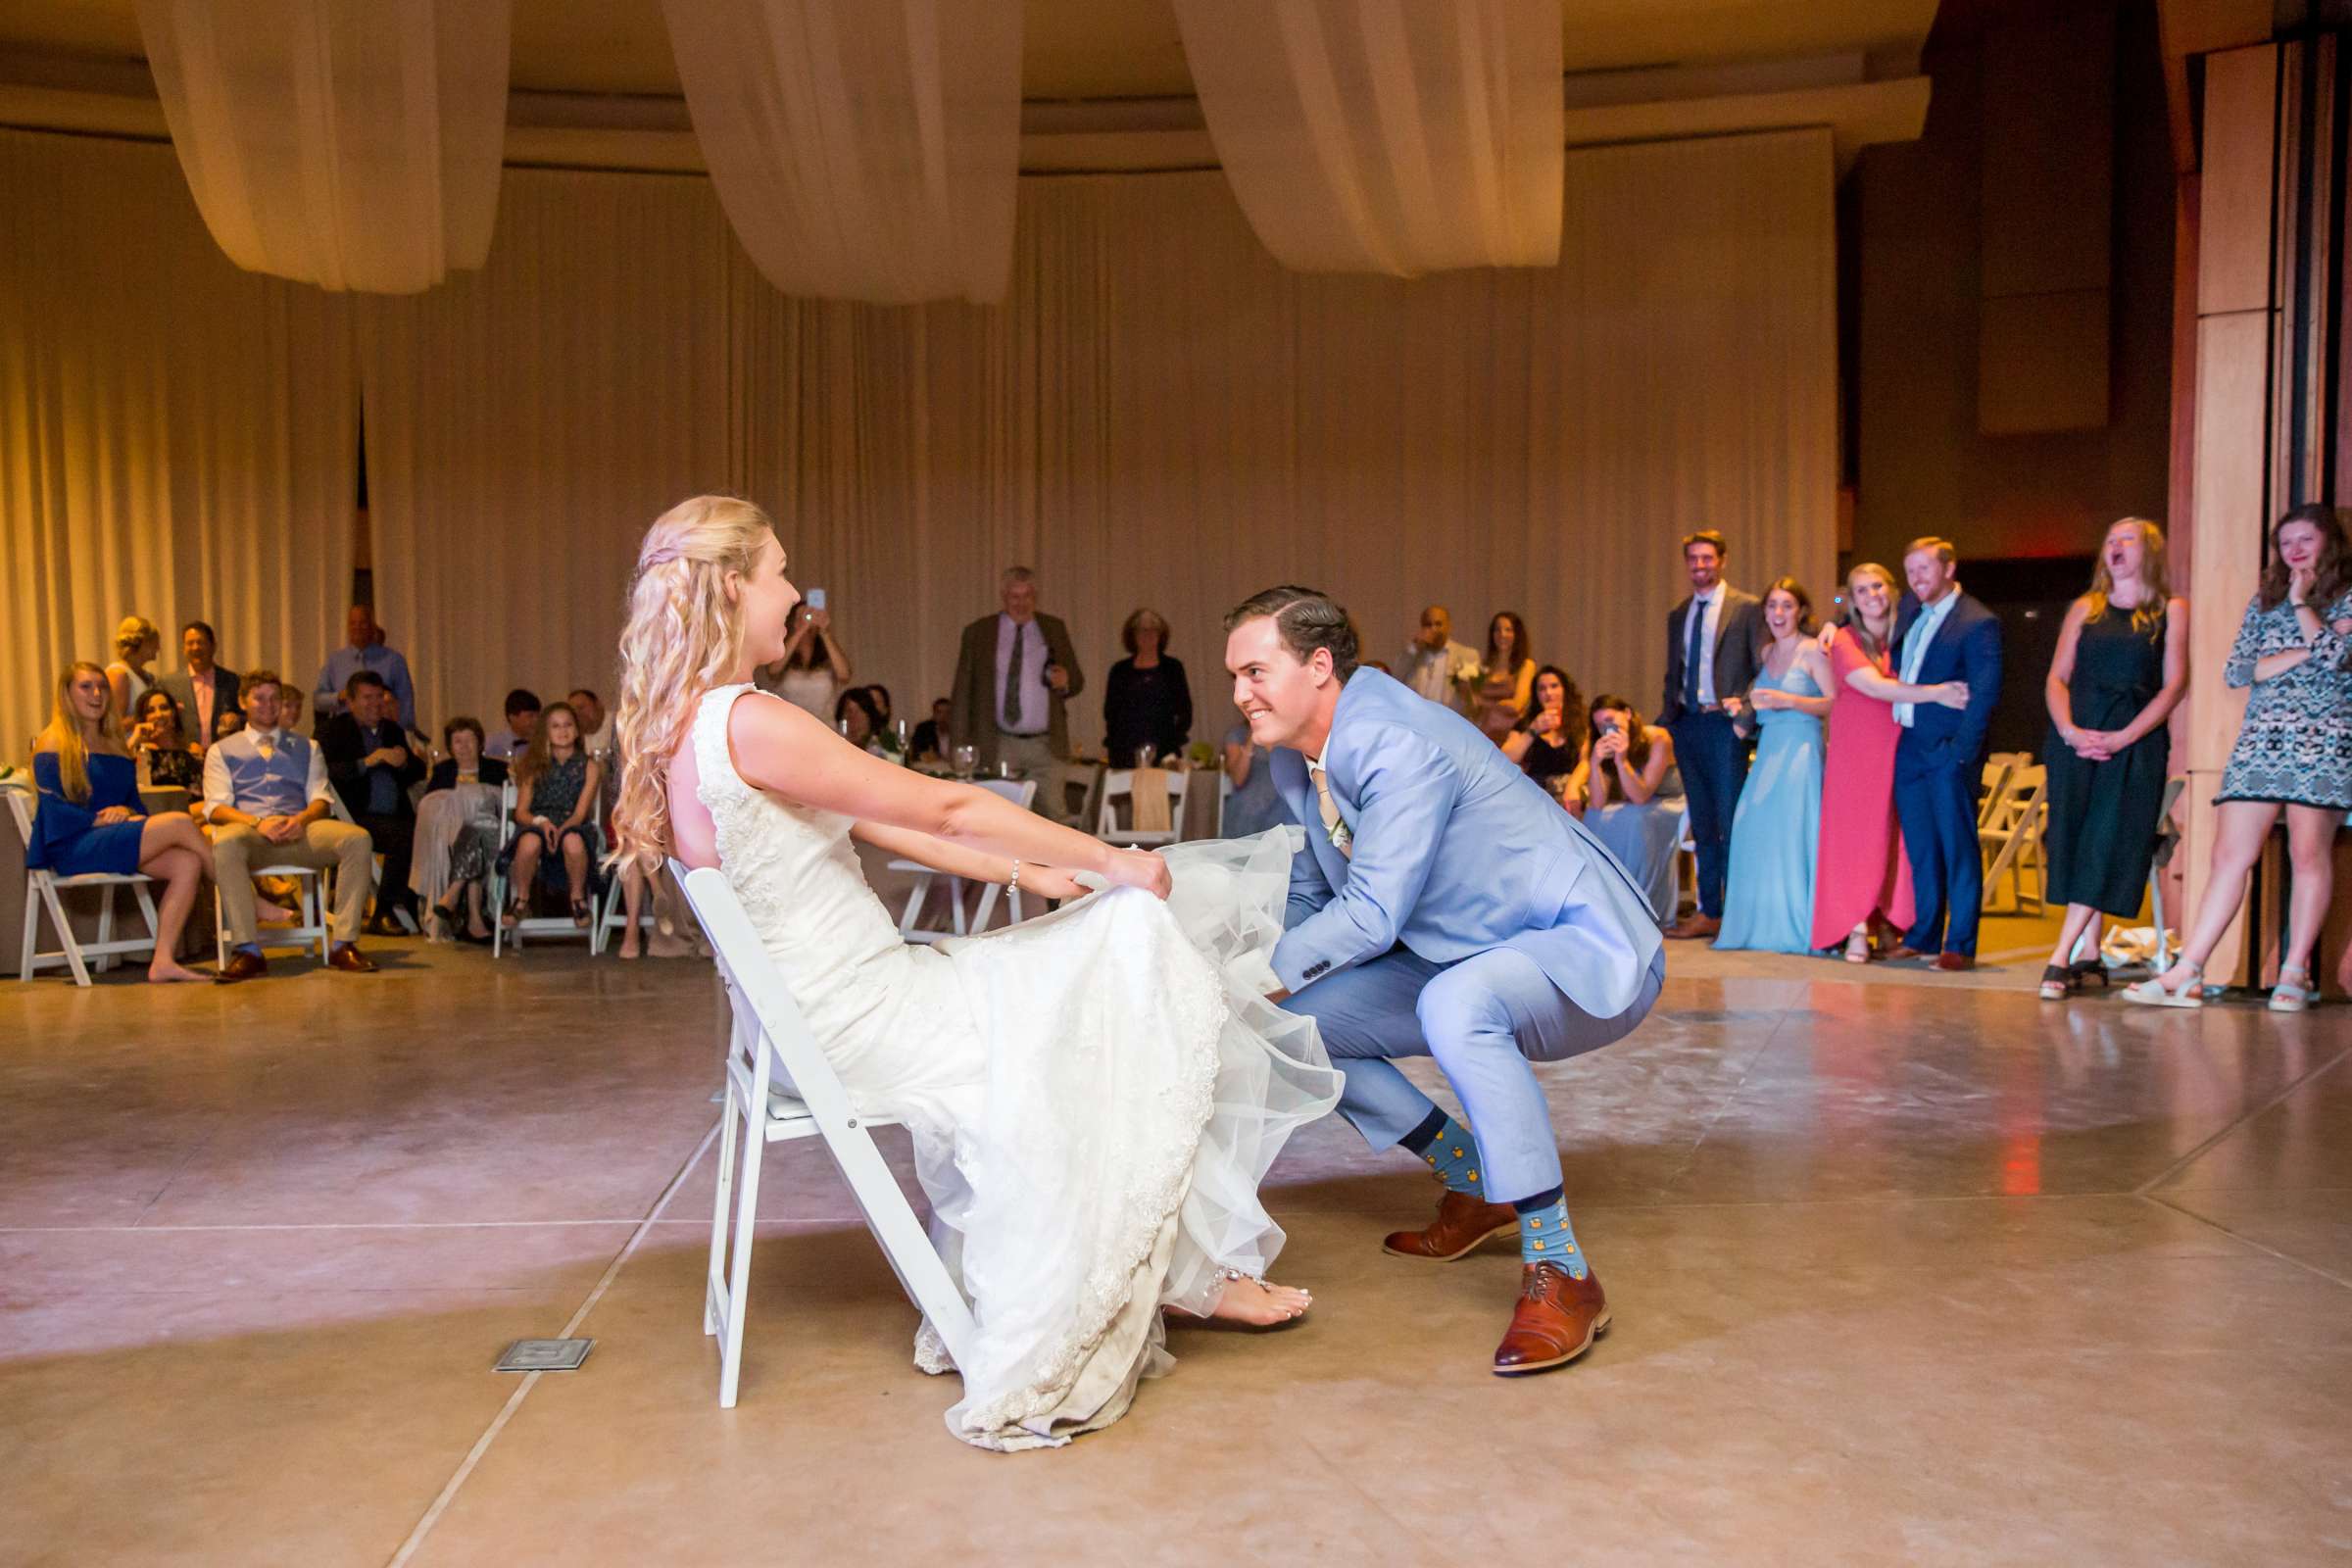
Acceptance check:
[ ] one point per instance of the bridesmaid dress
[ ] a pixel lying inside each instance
(1862, 869)
(1768, 887)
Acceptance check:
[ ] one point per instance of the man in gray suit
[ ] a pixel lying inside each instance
(1015, 677)
(203, 690)
(1714, 647)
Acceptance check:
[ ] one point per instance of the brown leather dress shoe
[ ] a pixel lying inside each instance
(1557, 1320)
(241, 967)
(350, 960)
(1462, 1223)
(1904, 952)
(1954, 963)
(1695, 928)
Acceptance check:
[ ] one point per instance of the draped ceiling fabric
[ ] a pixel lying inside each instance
(1385, 135)
(177, 439)
(526, 422)
(354, 144)
(863, 149)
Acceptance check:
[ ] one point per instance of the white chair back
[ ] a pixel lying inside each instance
(1022, 794)
(780, 1087)
(1118, 785)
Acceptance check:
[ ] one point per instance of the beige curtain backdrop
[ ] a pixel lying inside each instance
(176, 437)
(526, 421)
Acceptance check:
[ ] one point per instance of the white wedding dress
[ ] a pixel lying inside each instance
(1093, 1095)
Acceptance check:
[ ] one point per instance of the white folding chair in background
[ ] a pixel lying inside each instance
(535, 925)
(42, 896)
(911, 923)
(781, 1088)
(1118, 784)
(1224, 798)
(2011, 840)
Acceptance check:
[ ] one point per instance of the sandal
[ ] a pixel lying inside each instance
(2150, 992)
(2290, 996)
(580, 913)
(2057, 983)
(2087, 970)
(1857, 946)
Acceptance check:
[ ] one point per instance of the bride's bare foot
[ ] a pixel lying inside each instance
(1258, 1303)
(266, 912)
(164, 971)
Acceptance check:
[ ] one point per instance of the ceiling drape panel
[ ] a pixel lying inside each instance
(1385, 135)
(355, 144)
(177, 439)
(863, 149)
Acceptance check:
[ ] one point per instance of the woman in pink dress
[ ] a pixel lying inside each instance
(1861, 873)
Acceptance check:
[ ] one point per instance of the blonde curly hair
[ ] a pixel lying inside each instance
(683, 637)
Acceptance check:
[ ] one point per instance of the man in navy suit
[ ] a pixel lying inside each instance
(1939, 758)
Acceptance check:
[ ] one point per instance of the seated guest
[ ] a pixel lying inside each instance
(1509, 679)
(879, 694)
(558, 785)
(364, 649)
(931, 735)
(474, 844)
(136, 641)
(596, 725)
(815, 667)
(522, 724)
(1776, 828)
(1255, 804)
(90, 819)
(201, 688)
(1629, 793)
(369, 758)
(168, 760)
(1546, 742)
(1147, 701)
(264, 796)
(857, 717)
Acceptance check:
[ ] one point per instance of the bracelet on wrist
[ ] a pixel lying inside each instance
(1015, 885)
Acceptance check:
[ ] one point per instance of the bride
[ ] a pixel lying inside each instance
(1095, 1095)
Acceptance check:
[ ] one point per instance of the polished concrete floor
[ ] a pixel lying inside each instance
(1903, 1271)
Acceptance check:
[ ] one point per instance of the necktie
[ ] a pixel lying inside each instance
(267, 744)
(1340, 839)
(1694, 652)
(1013, 677)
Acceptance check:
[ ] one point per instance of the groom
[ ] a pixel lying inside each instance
(1444, 906)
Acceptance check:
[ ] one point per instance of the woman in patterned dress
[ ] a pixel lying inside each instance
(2294, 754)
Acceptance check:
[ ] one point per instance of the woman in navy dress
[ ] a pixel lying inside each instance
(90, 819)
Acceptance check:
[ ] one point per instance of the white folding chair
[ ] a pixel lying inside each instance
(1118, 784)
(536, 925)
(41, 896)
(1224, 798)
(772, 1058)
(911, 923)
(2011, 840)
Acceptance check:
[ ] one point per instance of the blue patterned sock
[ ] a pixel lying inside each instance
(1447, 1148)
(1546, 1236)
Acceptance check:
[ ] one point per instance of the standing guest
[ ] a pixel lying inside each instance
(90, 819)
(1510, 668)
(226, 724)
(479, 781)
(931, 735)
(522, 724)
(1629, 790)
(1014, 676)
(2121, 668)
(371, 764)
(168, 759)
(264, 796)
(364, 649)
(815, 667)
(2293, 755)
(1147, 700)
(555, 806)
(1713, 639)
(1440, 668)
(1547, 744)
(136, 642)
(1861, 874)
(1255, 804)
(1939, 760)
(200, 687)
(1776, 829)
(596, 725)
(857, 717)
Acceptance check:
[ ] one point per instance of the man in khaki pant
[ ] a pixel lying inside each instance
(265, 795)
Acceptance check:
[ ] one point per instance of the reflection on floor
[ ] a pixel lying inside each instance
(1904, 1269)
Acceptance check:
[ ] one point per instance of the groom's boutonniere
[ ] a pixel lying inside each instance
(1343, 837)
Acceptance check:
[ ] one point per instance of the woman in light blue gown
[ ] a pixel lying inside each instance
(1629, 793)
(1776, 833)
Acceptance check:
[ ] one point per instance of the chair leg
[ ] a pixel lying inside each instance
(219, 931)
(739, 1283)
(318, 913)
(106, 926)
(955, 906)
(32, 925)
(915, 900)
(65, 933)
(716, 1285)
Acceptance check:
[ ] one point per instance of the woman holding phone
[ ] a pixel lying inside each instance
(815, 668)
(1631, 794)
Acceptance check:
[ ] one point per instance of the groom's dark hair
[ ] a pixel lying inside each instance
(1306, 620)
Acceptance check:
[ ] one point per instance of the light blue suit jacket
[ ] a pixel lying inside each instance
(1456, 852)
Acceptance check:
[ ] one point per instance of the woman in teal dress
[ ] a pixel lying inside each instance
(1776, 833)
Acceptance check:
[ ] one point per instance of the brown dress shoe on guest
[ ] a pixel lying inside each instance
(1557, 1320)
(1462, 1223)
(241, 967)
(350, 960)
(1954, 963)
(1699, 926)
(1902, 954)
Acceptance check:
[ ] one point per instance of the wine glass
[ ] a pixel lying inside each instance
(965, 760)
(903, 733)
